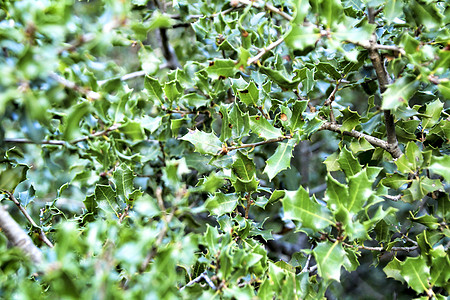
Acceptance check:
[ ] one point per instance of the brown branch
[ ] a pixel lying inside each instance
(356, 134)
(383, 80)
(263, 51)
(61, 142)
(368, 45)
(231, 148)
(249, 203)
(18, 237)
(22, 209)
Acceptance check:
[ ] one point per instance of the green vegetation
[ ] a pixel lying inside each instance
(224, 149)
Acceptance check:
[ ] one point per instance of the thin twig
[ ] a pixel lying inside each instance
(22, 209)
(231, 148)
(124, 214)
(308, 260)
(264, 51)
(368, 45)
(267, 7)
(73, 86)
(249, 203)
(198, 279)
(330, 100)
(393, 198)
(61, 142)
(124, 77)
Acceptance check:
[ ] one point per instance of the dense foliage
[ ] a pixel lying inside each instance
(230, 149)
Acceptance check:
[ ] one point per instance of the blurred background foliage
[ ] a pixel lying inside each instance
(97, 101)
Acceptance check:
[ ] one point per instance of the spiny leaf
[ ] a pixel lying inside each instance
(280, 160)
(204, 143)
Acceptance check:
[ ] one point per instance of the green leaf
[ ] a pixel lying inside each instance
(240, 123)
(432, 113)
(348, 163)
(10, 176)
(332, 162)
(395, 180)
(221, 204)
(336, 193)
(261, 127)
(154, 88)
(279, 78)
(440, 165)
(250, 95)
(360, 190)
(204, 143)
(302, 8)
(72, 121)
(329, 69)
(299, 206)
(393, 9)
(171, 90)
(398, 93)
(221, 68)
(301, 37)
(393, 269)
(123, 178)
(416, 273)
(133, 130)
(280, 160)
(296, 121)
(243, 167)
(105, 193)
(330, 258)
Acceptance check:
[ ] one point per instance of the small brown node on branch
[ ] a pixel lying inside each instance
(257, 118)
(211, 63)
(283, 117)
(222, 77)
(234, 3)
(244, 33)
(230, 125)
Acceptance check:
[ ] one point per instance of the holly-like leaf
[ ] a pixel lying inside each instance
(280, 160)
(360, 190)
(348, 163)
(299, 206)
(154, 88)
(301, 37)
(243, 167)
(398, 93)
(10, 176)
(330, 258)
(239, 122)
(221, 204)
(204, 143)
(105, 198)
(440, 165)
(133, 130)
(123, 178)
(261, 126)
(328, 69)
(432, 113)
(416, 273)
(221, 68)
(250, 95)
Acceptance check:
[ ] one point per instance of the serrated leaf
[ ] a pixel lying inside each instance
(241, 185)
(221, 67)
(279, 78)
(72, 121)
(395, 180)
(204, 143)
(296, 120)
(330, 258)
(348, 163)
(432, 112)
(250, 95)
(393, 268)
(171, 90)
(351, 119)
(398, 93)
(329, 69)
(416, 273)
(299, 206)
(336, 193)
(221, 204)
(240, 123)
(154, 88)
(393, 9)
(10, 176)
(133, 130)
(280, 160)
(123, 178)
(105, 193)
(243, 167)
(261, 127)
(332, 162)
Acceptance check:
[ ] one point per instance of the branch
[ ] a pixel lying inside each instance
(267, 7)
(383, 80)
(356, 134)
(263, 51)
(61, 142)
(231, 148)
(73, 86)
(368, 45)
(18, 237)
(124, 77)
(22, 209)
(198, 279)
